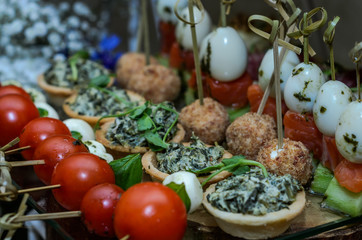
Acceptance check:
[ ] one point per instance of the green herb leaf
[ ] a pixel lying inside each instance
(43, 112)
(138, 111)
(127, 170)
(144, 123)
(232, 160)
(208, 169)
(76, 135)
(240, 170)
(180, 189)
(81, 54)
(100, 81)
(235, 113)
(155, 139)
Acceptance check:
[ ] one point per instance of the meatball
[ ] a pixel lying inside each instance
(249, 133)
(156, 83)
(129, 64)
(208, 121)
(293, 159)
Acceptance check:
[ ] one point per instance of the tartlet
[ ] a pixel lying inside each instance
(119, 151)
(92, 120)
(149, 163)
(56, 94)
(255, 227)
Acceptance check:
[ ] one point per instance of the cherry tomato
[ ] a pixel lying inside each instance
(98, 206)
(301, 127)
(255, 95)
(9, 89)
(331, 157)
(150, 210)
(52, 150)
(230, 93)
(167, 31)
(38, 130)
(349, 175)
(15, 112)
(181, 59)
(77, 174)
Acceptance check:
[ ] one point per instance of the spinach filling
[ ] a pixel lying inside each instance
(144, 125)
(197, 156)
(71, 74)
(94, 101)
(252, 193)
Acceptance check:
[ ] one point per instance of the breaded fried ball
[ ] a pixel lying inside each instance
(208, 121)
(293, 158)
(249, 133)
(129, 64)
(156, 83)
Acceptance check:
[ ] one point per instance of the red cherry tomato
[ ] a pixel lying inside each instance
(301, 127)
(15, 112)
(167, 31)
(255, 95)
(181, 59)
(52, 150)
(77, 174)
(98, 206)
(231, 93)
(349, 175)
(38, 130)
(150, 210)
(9, 89)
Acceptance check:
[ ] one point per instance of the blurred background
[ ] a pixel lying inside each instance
(32, 31)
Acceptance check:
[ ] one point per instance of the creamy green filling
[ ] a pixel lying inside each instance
(254, 194)
(94, 101)
(129, 131)
(195, 157)
(60, 74)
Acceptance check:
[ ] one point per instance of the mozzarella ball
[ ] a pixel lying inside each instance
(98, 149)
(192, 186)
(80, 126)
(349, 132)
(46, 110)
(332, 99)
(183, 31)
(36, 95)
(165, 9)
(302, 87)
(224, 55)
(266, 69)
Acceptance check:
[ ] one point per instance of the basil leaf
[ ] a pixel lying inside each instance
(138, 111)
(240, 170)
(76, 135)
(81, 54)
(180, 189)
(155, 139)
(43, 112)
(237, 112)
(127, 170)
(208, 169)
(233, 160)
(144, 123)
(100, 81)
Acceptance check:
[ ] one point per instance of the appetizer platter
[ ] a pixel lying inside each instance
(192, 143)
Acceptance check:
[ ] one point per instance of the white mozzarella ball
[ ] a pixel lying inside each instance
(332, 99)
(183, 31)
(46, 110)
(98, 149)
(165, 9)
(349, 132)
(266, 69)
(192, 186)
(80, 126)
(35, 94)
(302, 87)
(224, 53)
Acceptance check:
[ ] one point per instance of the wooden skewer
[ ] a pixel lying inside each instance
(47, 216)
(26, 163)
(31, 190)
(17, 149)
